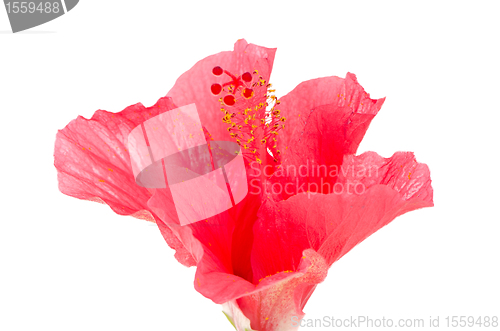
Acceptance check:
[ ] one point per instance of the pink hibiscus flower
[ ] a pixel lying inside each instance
(310, 198)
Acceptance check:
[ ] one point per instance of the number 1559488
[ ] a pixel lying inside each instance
(23, 7)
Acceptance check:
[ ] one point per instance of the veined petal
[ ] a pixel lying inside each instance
(93, 163)
(345, 94)
(370, 192)
(326, 119)
(401, 172)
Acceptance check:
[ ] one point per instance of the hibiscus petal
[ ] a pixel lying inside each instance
(278, 306)
(345, 93)
(370, 192)
(182, 254)
(331, 225)
(221, 245)
(93, 163)
(222, 248)
(194, 85)
(326, 118)
(389, 187)
(401, 172)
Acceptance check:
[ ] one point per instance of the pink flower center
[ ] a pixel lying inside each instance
(251, 113)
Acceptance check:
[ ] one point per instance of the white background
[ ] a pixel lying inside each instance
(68, 264)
